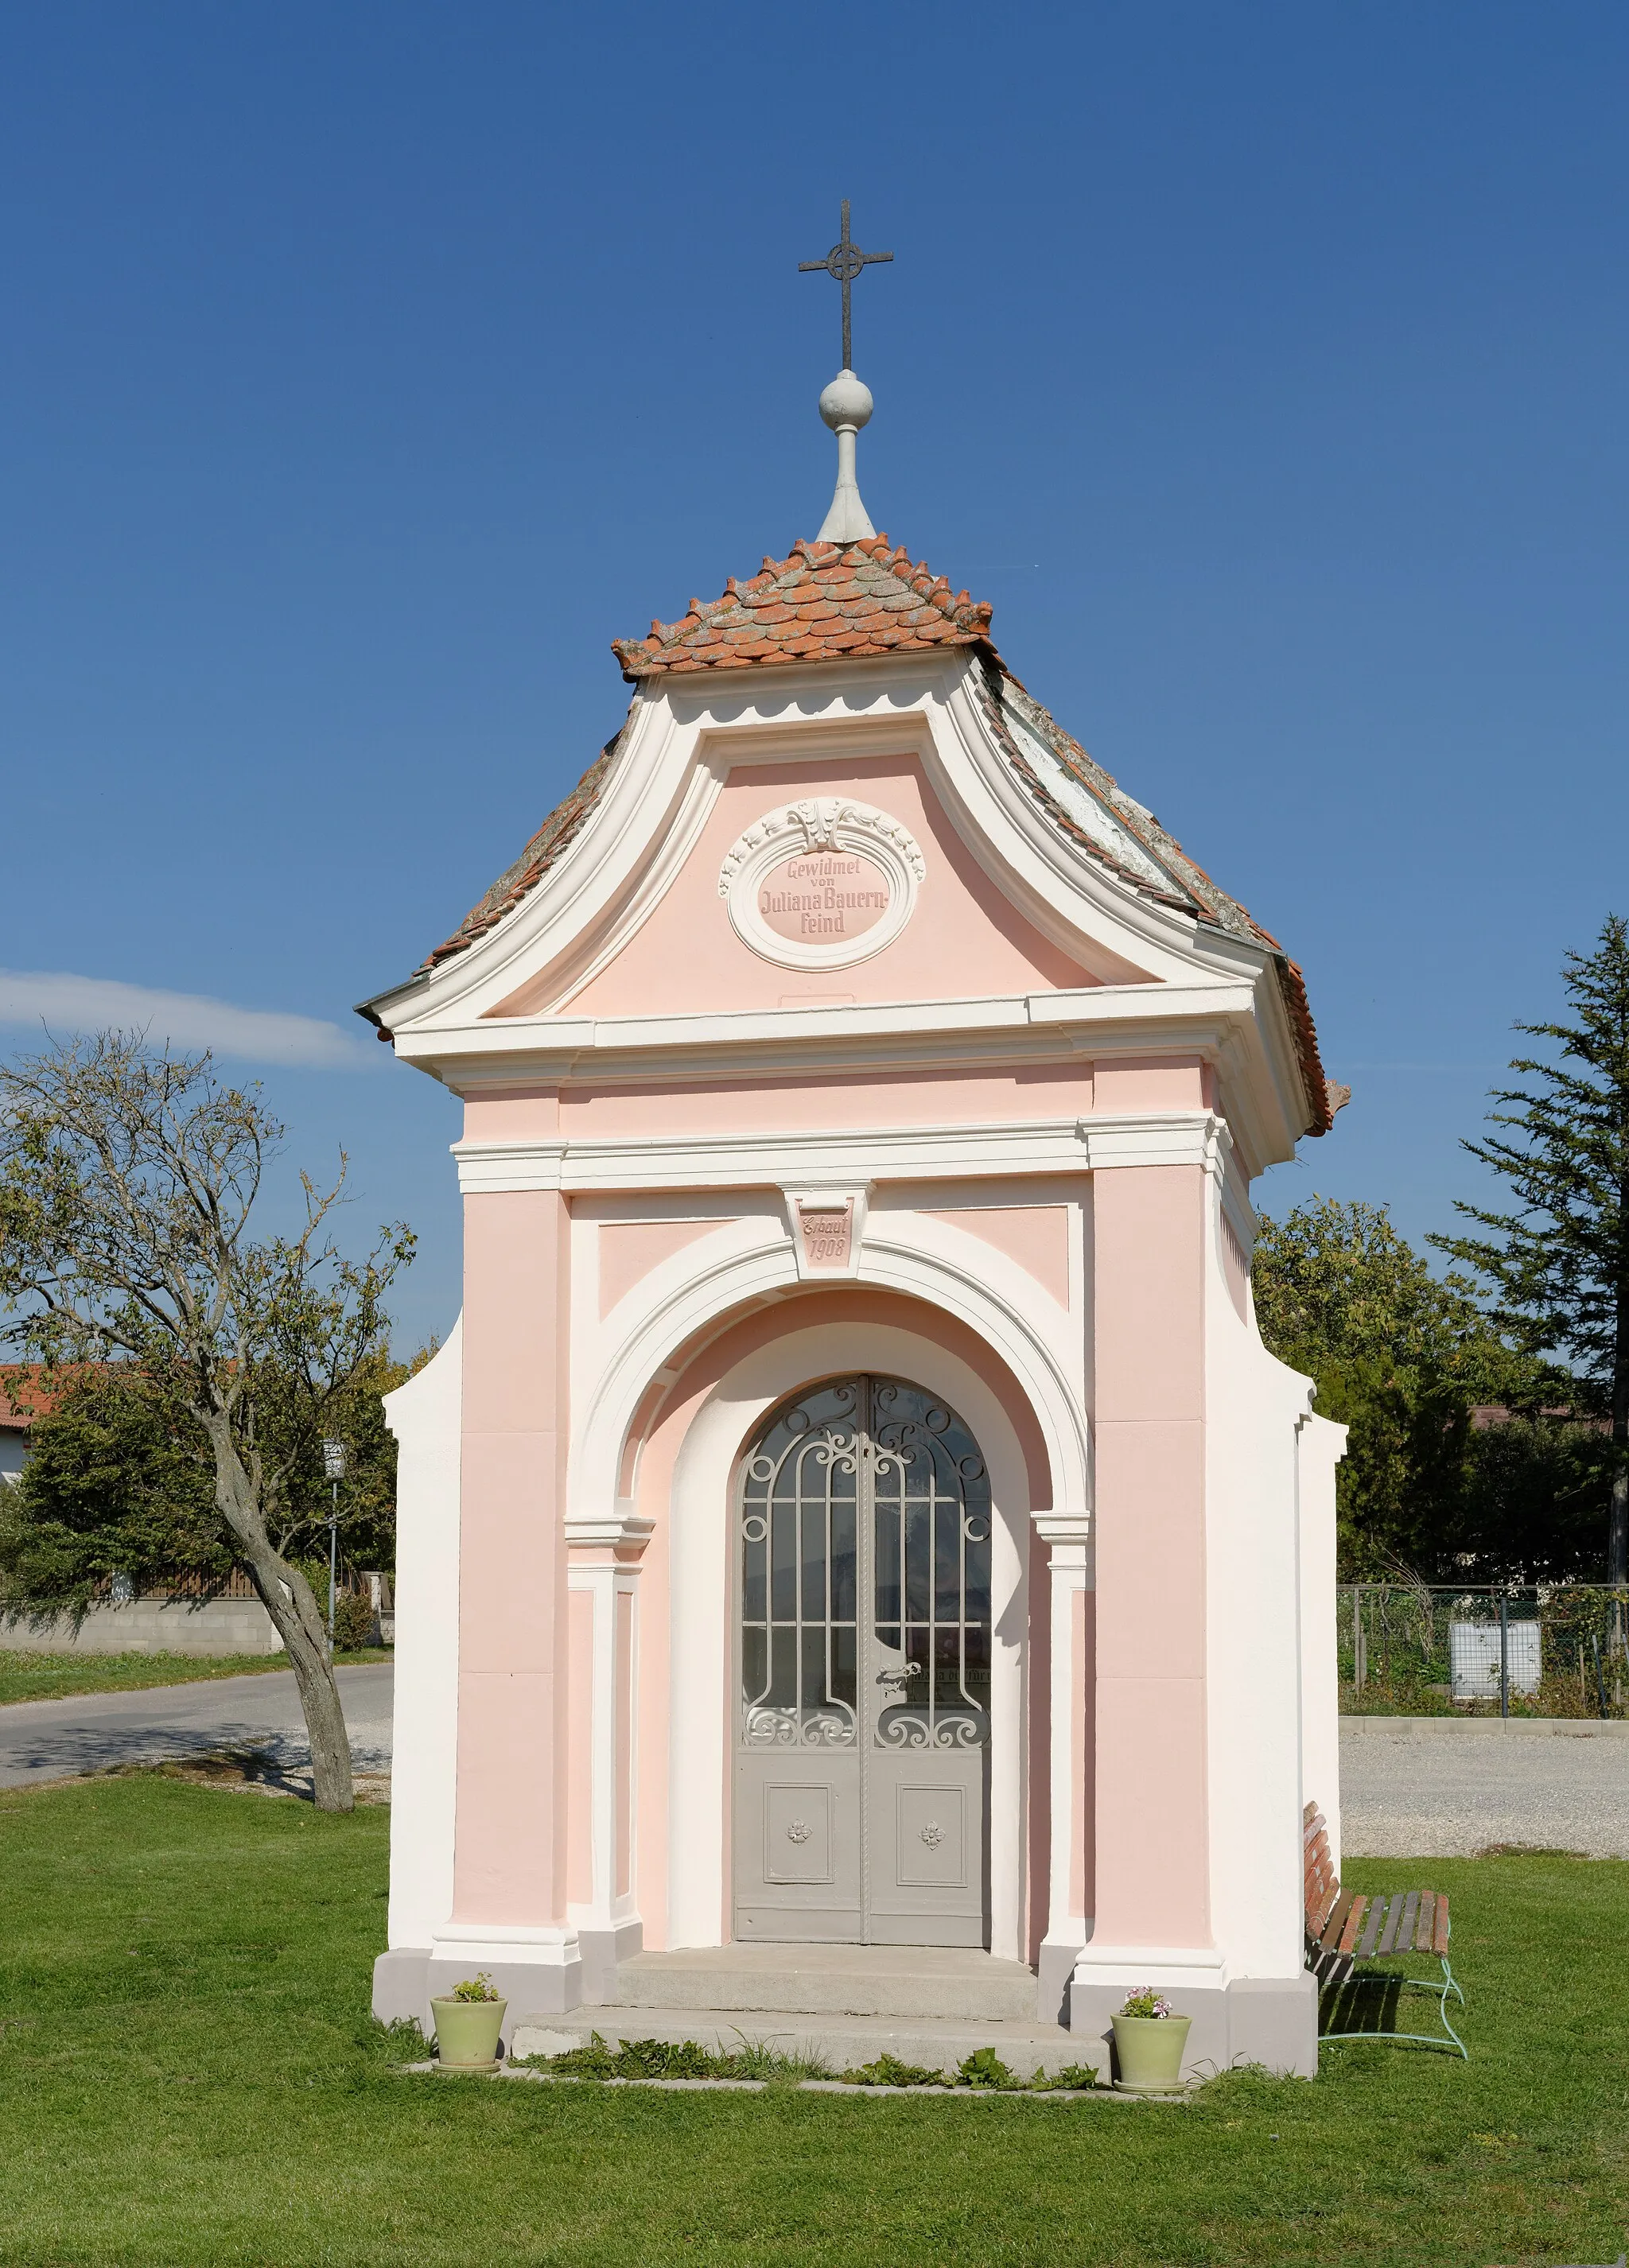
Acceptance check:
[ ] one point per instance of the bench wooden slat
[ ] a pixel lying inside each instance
(1439, 1943)
(1402, 1928)
(1426, 1921)
(1378, 1910)
(1393, 1904)
(1354, 1924)
(1334, 1923)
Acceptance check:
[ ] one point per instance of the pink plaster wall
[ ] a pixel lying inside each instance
(964, 937)
(884, 1099)
(1151, 1083)
(510, 1848)
(1152, 1856)
(628, 1249)
(1036, 1236)
(519, 1113)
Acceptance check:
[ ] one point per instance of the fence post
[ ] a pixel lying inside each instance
(1357, 1637)
(1504, 1654)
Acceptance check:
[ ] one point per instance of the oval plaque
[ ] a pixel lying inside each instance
(824, 897)
(821, 883)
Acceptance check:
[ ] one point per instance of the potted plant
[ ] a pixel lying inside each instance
(1149, 2037)
(468, 2020)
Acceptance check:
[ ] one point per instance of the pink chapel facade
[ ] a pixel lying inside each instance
(855, 1505)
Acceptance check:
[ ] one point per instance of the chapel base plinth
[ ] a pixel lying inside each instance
(601, 1949)
(538, 1970)
(1268, 2022)
(401, 1992)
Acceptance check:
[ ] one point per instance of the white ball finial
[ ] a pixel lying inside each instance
(846, 402)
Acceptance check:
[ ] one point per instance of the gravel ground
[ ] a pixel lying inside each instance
(1430, 1790)
(88, 1731)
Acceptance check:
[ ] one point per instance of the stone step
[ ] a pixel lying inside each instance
(832, 1980)
(839, 2043)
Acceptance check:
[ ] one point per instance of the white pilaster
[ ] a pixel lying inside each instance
(607, 1923)
(1068, 1926)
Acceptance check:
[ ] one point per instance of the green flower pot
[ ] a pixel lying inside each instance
(466, 2033)
(1149, 2053)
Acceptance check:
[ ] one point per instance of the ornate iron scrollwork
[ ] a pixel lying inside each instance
(864, 1532)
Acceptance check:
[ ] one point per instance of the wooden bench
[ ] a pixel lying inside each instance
(1346, 1931)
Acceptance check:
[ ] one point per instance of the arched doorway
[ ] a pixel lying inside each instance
(863, 1671)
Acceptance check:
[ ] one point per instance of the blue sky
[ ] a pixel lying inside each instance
(366, 369)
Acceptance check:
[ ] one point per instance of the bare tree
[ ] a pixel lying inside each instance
(126, 1182)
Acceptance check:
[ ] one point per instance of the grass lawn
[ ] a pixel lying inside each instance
(53, 1677)
(188, 2077)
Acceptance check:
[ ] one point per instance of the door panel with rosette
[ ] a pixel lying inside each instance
(863, 1724)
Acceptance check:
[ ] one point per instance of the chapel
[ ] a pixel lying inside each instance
(861, 1576)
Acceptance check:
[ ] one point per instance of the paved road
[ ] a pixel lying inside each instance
(49, 1740)
(1430, 1793)
(1409, 1791)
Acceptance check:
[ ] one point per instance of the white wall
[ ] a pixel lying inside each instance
(425, 1416)
(1260, 1595)
(1320, 1445)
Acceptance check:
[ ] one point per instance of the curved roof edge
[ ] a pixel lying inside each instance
(827, 601)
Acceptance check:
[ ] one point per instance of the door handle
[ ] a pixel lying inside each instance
(900, 1676)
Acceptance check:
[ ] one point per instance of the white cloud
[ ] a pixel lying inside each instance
(188, 1021)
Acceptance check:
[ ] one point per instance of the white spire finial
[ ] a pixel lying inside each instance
(846, 405)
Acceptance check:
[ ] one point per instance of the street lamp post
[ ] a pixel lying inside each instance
(333, 1471)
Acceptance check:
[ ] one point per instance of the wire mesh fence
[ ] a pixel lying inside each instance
(1438, 1650)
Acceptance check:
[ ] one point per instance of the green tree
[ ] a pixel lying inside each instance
(120, 1480)
(1558, 1266)
(116, 1484)
(127, 1178)
(1400, 1356)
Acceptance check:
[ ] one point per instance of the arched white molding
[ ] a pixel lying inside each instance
(702, 1605)
(693, 1295)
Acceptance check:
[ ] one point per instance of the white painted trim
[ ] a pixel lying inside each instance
(485, 1942)
(426, 1414)
(1111, 1018)
(1071, 1576)
(996, 1298)
(605, 1582)
(846, 1156)
(1132, 1965)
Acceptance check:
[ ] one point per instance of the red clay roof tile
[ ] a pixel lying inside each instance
(820, 600)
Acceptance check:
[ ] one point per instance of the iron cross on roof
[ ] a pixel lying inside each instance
(845, 261)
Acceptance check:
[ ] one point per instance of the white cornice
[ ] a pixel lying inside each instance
(852, 1155)
(1109, 1018)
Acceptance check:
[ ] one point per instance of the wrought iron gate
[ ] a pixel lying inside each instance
(863, 1725)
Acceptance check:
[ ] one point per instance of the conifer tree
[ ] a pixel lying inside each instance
(1558, 1266)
